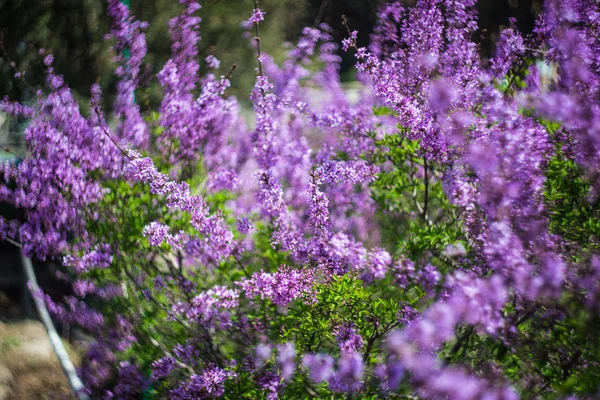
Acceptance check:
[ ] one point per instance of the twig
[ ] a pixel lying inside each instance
(233, 67)
(345, 23)
(243, 267)
(520, 65)
(426, 200)
(567, 369)
(461, 341)
(376, 335)
(6, 149)
(12, 63)
(108, 134)
(422, 210)
(257, 40)
(527, 315)
(324, 5)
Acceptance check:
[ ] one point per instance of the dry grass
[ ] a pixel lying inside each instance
(26, 352)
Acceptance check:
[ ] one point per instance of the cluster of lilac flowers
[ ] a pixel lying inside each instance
(281, 287)
(225, 279)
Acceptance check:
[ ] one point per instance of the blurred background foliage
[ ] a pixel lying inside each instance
(73, 30)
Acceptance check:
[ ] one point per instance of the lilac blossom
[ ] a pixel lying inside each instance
(212, 308)
(347, 337)
(280, 287)
(207, 385)
(129, 37)
(297, 189)
(286, 355)
(258, 15)
(161, 368)
(320, 366)
(178, 196)
(349, 373)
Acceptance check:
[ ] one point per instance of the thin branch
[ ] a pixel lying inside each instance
(422, 210)
(233, 67)
(521, 64)
(243, 267)
(6, 149)
(345, 23)
(13, 64)
(257, 40)
(376, 335)
(322, 9)
(527, 315)
(426, 200)
(567, 369)
(461, 341)
(99, 114)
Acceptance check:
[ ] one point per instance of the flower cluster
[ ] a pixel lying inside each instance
(280, 287)
(436, 238)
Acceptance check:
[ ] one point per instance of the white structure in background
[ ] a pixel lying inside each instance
(11, 135)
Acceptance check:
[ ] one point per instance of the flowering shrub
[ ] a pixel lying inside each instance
(438, 238)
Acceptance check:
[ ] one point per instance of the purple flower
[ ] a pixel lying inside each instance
(442, 95)
(348, 339)
(509, 49)
(320, 366)
(258, 15)
(48, 60)
(130, 381)
(286, 355)
(223, 180)
(159, 283)
(212, 307)
(270, 383)
(378, 263)
(244, 225)
(212, 62)
(83, 287)
(263, 354)
(178, 196)
(280, 287)
(389, 374)
(162, 368)
(349, 374)
(407, 314)
(428, 277)
(186, 353)
(209, 384)
(349, 41)
(98, 258)
(156, 233)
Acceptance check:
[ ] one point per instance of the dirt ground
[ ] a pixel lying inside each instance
(29, 369)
